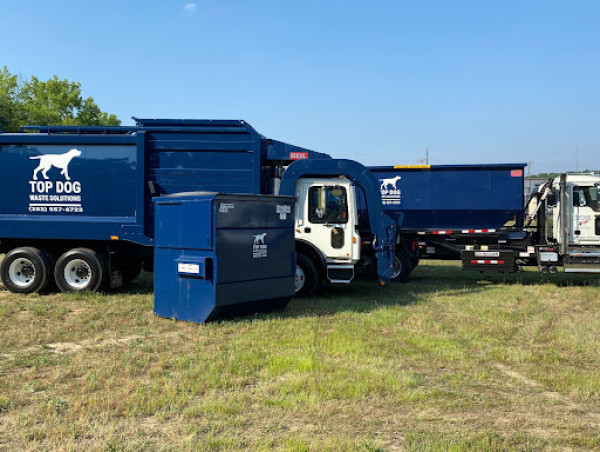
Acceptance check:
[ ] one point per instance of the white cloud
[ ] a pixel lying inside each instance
(190, 8)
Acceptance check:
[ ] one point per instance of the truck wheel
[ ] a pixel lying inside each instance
(79, 269)
(26, 270)
(307, 277)
(402, 267)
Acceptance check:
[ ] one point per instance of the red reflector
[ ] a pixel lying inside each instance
(516, 173)
(487, 262)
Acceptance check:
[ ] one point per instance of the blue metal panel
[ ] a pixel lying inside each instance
(226, 160)
(185, 223)
(454, 196)
(277, 150)
(47, 198)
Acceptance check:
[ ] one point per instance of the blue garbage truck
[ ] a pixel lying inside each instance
(77, 210)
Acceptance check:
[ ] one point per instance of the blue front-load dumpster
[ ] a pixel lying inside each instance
(222, 255)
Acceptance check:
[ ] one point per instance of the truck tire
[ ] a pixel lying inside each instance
(26, 270)
(80, 269)
(307, 276)
(402, 267)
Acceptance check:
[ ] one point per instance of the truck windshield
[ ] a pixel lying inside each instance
(586, 197)
(327, 205)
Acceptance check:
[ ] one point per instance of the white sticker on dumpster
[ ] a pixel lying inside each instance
(259, 247)
(225, 207)
(188, 268)
(283, 210)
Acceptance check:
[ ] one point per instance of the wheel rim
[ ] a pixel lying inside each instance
(300, 279)
(78, 274)
(397, 267)
(21, 272)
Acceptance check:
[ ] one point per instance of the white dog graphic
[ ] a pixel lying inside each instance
(60, 161)
(391, 183)
(259, 239)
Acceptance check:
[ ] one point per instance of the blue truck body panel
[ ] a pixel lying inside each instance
(452, 197)
(104, 188)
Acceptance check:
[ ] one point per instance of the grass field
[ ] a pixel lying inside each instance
(447, 361)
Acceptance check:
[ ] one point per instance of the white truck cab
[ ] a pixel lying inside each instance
(582, 209)
(327, 220)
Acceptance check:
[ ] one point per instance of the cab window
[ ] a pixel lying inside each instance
(327, 204)
(586, 197)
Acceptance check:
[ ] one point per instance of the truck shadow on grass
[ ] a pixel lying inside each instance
(429, 278)
(426, 280)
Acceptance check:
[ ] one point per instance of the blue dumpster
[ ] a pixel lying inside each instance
(222, 255)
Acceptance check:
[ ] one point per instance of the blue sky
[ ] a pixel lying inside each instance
(378, 82)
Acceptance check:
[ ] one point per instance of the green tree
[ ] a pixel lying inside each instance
(51, 102)
(10, 111)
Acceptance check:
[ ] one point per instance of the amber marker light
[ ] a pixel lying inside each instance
(114, 237)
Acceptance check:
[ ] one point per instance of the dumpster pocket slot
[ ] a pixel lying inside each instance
(198, 268)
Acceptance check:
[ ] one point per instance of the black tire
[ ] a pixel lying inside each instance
(402, 267)
(80, 269)
(307, 276)
(26, 270)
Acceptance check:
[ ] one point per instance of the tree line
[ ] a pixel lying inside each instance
(53, 102)
(553, 175)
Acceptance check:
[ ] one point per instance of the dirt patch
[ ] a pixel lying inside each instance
(534, 384)
(563, 405)
(73, 347)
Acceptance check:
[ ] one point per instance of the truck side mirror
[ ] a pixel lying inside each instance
(551, 200)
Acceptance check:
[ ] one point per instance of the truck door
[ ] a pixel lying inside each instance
(586, 216)
(327, 216)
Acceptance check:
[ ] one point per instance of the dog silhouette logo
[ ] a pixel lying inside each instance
(259, 239)
(390, 183)
(59, 161)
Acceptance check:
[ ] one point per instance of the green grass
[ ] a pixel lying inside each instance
(447, 361)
